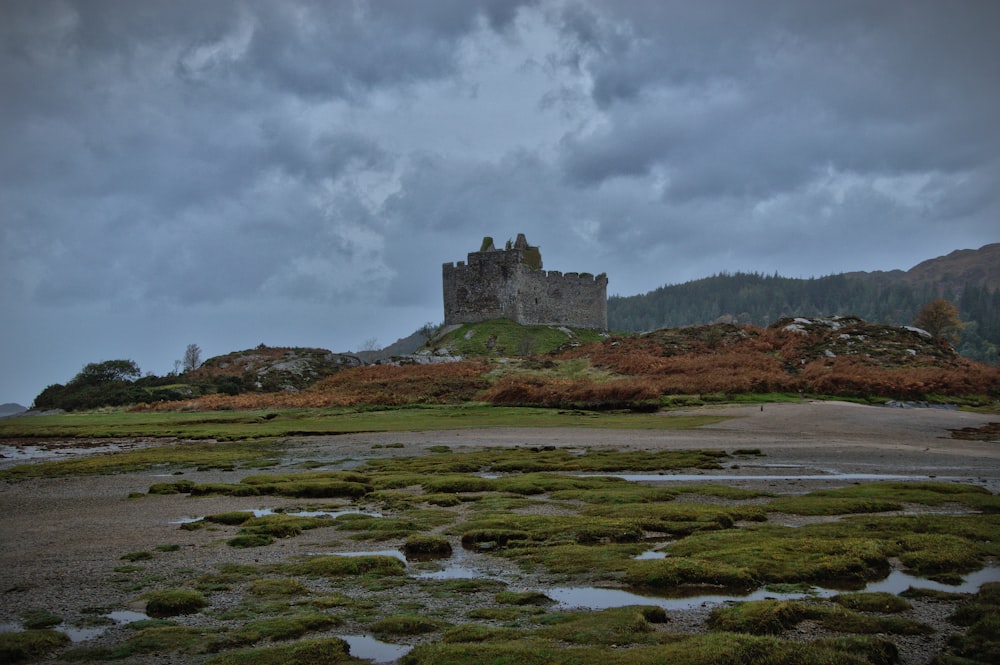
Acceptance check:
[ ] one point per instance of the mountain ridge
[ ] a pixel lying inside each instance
(969, 278)
(952, 271)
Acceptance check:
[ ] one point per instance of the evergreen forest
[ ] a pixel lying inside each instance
(760, 300)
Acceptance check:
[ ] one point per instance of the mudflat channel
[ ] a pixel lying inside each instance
(62, 540)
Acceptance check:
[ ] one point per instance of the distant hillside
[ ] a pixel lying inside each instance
(968, 278)
(11, 409)
(952, 273)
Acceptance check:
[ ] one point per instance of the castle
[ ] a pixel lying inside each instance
(510, 284)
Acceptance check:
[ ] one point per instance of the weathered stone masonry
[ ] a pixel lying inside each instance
(511, 284)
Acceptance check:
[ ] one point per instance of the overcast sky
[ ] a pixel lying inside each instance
(294, 173)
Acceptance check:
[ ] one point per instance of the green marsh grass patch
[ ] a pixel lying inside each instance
(721, 492)
(274, 629)
(680, 519)
(607, 494)
(979, 614)
(593, 561)
(176, 455)
(502, 529)
(454, 483)
(228, 574)
(30, 645)
(491, 503)
(813, 505)
(885, 497)
(325, 651)
(37, 619)
(921, 593)
(772, 617)
(928, 493)
(264, 529)
(521, 598)
(704, 649)
(233, 518)
(561, 460)
(880, 601)
(136, 556)
(330, 601)
(618, 626)
(542, 482)
(673, 573)
(422, 545)
(850, 551)
(277, 587)
(338, 566)
(172, 602)
(176, 487)
(784, 554)
(933, 553)
(240, 426)
(407, 523)
(407, 624)
(471, 632)
(306, 485)
(149, 640)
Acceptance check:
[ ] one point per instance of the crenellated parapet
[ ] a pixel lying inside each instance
(510, 283)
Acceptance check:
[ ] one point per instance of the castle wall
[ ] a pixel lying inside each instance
(498, 284)
(570, 299)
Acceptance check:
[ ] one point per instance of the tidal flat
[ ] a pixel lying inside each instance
(796, 533)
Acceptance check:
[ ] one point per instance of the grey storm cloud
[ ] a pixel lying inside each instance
(222, 172)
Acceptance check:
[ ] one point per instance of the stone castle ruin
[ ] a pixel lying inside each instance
(511, 284)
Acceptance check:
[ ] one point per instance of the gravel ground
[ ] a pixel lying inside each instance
(61, 539)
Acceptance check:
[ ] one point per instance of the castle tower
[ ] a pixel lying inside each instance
(510, 284)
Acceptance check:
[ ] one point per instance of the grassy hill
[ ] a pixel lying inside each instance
(501, 337)
(844, 357)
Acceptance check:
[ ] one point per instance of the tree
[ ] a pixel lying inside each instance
(428, 331)
(94, 374)
(939, 318)
(192, 357)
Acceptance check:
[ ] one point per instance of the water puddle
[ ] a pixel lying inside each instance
(898, 581)
(457, 567)
(596, 598)
(20, 453)
(83, 633)
(261, 512)
(334, 514)
(368, 648)
(396, 554)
